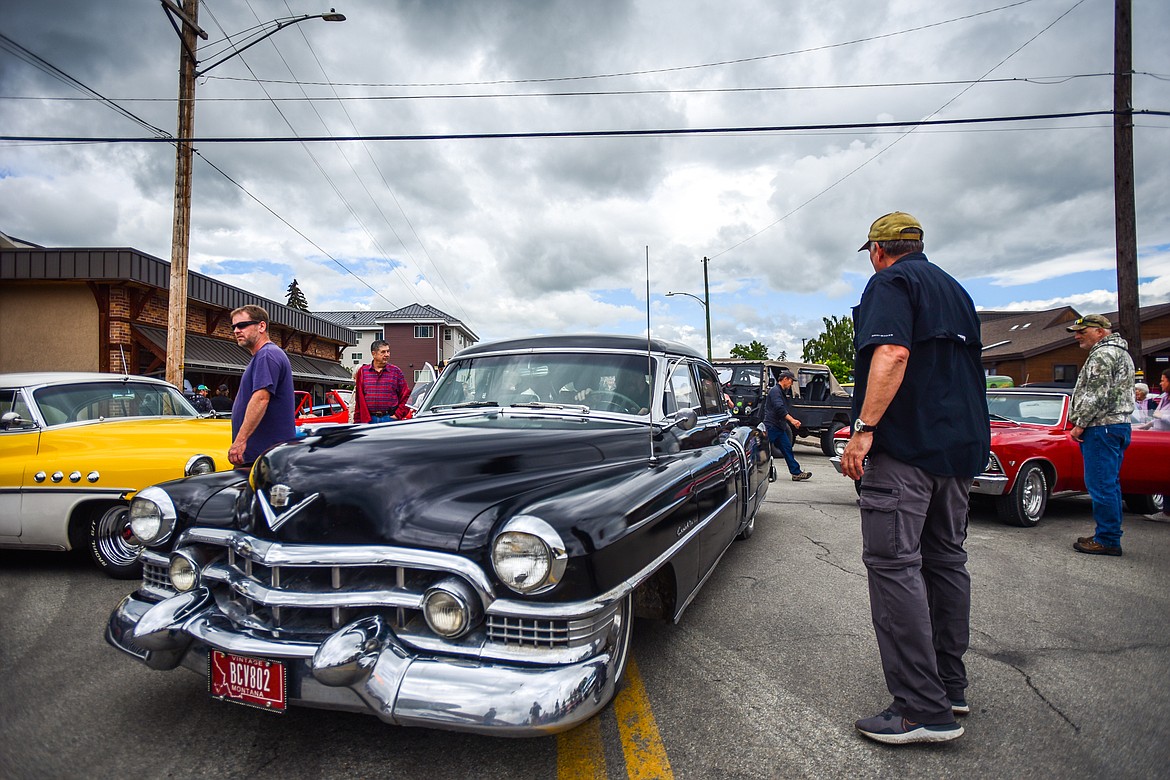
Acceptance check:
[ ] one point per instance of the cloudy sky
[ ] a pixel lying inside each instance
(530, 235)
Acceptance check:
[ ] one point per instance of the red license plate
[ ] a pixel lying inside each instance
(255, 682)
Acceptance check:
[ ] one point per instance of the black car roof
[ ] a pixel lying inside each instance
(581, 341)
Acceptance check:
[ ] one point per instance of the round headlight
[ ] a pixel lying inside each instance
(521, 560)
(152, 516)
(145, 520)
(199, 464)
(183, 573)
(528, 555)
(444, 613)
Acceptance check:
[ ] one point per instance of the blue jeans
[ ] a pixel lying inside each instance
(1102, 448)
(779, 437)
(381, 418)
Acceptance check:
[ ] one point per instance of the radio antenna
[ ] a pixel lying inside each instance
(649, 361)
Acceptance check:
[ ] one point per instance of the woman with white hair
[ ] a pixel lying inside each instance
(1141, 404)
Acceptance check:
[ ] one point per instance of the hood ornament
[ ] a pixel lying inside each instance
(280, 495)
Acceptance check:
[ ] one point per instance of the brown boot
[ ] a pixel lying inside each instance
(1093, 547)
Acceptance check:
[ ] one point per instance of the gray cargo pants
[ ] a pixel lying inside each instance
(913, 525)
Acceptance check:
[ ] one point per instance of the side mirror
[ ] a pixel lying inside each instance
(685, 419)
(11, 420)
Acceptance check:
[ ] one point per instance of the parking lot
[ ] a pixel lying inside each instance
(763, 676)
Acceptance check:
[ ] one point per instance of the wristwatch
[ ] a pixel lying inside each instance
(860, 427)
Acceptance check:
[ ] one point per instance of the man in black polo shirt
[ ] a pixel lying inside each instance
(921, 432)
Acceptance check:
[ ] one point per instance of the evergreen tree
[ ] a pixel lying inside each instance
(296, 298)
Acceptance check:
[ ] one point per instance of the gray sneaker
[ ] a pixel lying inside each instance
(1158, 517)
(893, 729)
(802, 476)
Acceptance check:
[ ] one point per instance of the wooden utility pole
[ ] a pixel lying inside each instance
(1123, 195)
(707, 307)
(181, 235)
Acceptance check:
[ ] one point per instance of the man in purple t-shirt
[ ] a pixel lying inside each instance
(262, 414)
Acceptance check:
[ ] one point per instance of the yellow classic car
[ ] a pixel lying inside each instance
(76, 447)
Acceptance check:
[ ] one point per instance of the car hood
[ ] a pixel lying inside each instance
(423, 482)
(1004, 434)
(133, 452)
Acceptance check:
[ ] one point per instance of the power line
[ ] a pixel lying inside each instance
(901, 137)
(163, 136)
(683, 131)
(317, 163)
(389, 189)
(719, 64)
(335, 98)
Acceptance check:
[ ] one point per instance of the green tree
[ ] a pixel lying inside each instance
(296, 298)
(833, 347)
(753, 351)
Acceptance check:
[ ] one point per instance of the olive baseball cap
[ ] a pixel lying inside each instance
(895, 226)
(1091, 321)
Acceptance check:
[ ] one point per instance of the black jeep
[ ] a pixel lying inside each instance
(817, 398)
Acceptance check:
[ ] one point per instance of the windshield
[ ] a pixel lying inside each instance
(62, 404)
(1036, 409)
(741, 375)
(600, 381)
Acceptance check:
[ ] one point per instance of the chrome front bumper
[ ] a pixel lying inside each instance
(989, 484)
(366, 667)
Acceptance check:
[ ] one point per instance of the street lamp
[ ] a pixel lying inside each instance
(188, 15)
(706, 301)
(706, 312)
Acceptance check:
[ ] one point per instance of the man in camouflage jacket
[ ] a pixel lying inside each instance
(1102, 402)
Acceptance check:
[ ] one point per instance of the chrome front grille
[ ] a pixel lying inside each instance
(309, 590)
(534, 632)
(156, 576)
(306, 592)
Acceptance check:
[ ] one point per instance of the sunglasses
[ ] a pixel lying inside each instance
(244, 324)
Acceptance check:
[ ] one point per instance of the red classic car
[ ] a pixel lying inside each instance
(1032, 457)
(334, 410)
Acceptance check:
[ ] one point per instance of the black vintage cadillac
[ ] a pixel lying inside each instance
(475, 568)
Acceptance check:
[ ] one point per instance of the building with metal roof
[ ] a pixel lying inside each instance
(99, 309)
(1034, 346)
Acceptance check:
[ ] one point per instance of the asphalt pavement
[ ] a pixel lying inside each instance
(763, 676)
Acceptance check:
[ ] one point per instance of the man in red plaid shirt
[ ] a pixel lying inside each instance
(380, 389)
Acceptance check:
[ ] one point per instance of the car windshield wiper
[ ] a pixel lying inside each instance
(1000, 417)
(464, 405)
(547, 405)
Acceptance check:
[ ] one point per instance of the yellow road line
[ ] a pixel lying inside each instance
(645, 754)
(581, 753)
